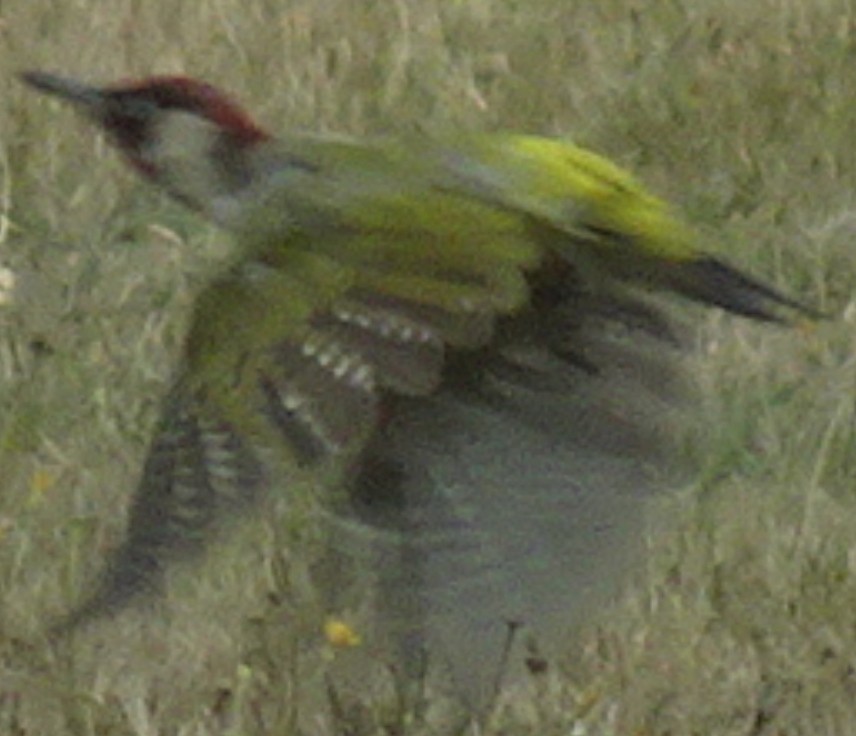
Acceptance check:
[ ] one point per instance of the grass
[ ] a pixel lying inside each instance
(742, 113)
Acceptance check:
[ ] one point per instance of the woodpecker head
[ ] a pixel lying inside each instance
(132, 113)
(179, 132)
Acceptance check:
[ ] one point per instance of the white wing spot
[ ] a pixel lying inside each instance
(298, 405)
(342, 367)
(389, 326)
(309, 348)
(362, 377)
(291, 400)
(342, 364)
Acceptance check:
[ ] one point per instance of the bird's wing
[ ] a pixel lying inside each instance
(601, 218)
(493, 428)
(198, 470)
(514, 496)
(610, 220)
(513, 489)
(291, 353)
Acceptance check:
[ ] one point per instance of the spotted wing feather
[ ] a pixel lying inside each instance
(289, 357)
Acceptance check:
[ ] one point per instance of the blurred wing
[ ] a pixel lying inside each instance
(291, 352)
(199, 470)
(513, 498)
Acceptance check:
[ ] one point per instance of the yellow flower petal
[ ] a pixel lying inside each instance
(340, 634)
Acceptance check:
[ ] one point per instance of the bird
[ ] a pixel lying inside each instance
(464, 347)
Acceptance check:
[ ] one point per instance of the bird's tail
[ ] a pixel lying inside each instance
(711, 281)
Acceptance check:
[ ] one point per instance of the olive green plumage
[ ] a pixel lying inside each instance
(450, 341)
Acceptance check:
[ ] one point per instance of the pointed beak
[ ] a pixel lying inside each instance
(87, 98)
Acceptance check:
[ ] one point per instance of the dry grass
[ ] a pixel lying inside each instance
(741, 112)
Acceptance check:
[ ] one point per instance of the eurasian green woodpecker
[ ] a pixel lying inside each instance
(450, 340)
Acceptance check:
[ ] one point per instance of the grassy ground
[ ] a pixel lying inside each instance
(740, 112)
